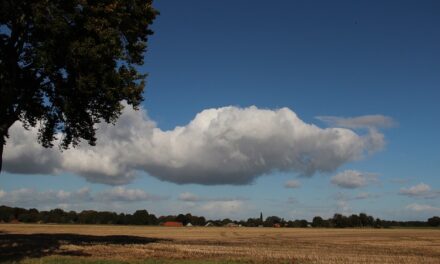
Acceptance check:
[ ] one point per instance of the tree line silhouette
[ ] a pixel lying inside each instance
(142, 217)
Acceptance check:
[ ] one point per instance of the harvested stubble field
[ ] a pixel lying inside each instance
(23, 243)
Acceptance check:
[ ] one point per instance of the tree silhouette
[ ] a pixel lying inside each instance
(66, 65)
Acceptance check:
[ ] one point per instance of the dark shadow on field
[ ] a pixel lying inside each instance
(14, 247)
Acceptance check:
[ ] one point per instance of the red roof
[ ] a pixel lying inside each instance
(172, 224)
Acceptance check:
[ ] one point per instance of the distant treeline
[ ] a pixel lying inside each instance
(142, 217)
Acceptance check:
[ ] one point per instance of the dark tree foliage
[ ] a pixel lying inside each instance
(68, 64)
(434, 221)
(254, 222)
(296, 223)
(142, 217)
(318, 221)
(189, 219)
(272, 220)
(225, 222)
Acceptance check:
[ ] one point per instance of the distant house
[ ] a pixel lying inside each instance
(209, 224)
(172, 224)
(276, 225)
(189, 225)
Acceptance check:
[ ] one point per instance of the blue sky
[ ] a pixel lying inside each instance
(318, 58)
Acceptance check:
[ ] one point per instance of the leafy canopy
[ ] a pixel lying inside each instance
(68, 64)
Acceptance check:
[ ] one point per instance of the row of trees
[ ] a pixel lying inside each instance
(142, 217)
(364, 220)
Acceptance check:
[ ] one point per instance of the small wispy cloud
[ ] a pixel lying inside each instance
(366, 121)
(188, 197)
(351, 179)
(420, 190)
(222, 207)
(292, 200)
(400, 180)
(426, 208)
(292, 184)
(191, 197)
(365, 195)
(122, 194)
(26, 197)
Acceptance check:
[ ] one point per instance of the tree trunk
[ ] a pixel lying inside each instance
(3, 135)
(4, 128)
(2, 144)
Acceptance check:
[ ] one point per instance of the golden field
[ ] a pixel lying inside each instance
(19, 242)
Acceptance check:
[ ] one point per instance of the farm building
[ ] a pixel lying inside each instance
(172, 224)
(189, 225)
(209, 224)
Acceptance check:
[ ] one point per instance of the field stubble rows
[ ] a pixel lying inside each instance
(255, 245)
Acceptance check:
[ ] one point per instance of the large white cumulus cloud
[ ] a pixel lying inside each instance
(228, 145)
